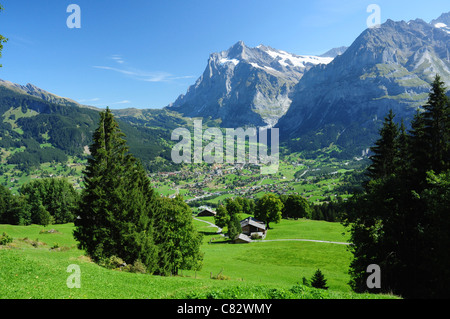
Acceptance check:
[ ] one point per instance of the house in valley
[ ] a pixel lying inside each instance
(253, 228)
(206, 212)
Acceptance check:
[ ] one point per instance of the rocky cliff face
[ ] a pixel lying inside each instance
(246, 86)
(390, 67)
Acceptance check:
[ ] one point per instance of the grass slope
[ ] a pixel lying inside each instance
(30, 268)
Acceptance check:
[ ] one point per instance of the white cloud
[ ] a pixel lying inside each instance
(118, 58)
(122, 102)
(89, 100)
(141, 75)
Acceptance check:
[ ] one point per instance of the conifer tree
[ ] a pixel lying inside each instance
(115, 212)
(437, 126)
(400, 221)
(385, 149)
(318, 280)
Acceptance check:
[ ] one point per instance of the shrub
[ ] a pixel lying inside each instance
(5, 239)
(138, 267)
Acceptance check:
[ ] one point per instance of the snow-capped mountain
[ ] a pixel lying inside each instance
(390, 67)
(246, 86)
(443, 22)
(340, 97)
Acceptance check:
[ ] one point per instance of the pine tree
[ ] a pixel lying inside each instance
(115, 211)
(385, 149)
(400, 221)
(437, 126)
(318, 280)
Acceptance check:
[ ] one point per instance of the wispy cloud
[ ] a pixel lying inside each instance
(122, 102)
(139, 74)
(89, 100)
(118, 58)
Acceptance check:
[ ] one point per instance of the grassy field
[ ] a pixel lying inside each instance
(35, 265)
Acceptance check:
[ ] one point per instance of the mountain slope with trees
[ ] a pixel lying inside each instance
(400, 221)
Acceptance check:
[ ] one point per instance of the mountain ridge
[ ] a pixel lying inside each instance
(245, 86)
(390, 67)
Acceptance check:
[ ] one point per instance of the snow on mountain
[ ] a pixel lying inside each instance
(442, 26)
(246, 86)
(287, 59)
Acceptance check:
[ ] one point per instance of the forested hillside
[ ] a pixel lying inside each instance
(35, 131)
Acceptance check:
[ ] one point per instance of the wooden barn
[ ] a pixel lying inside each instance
(253, 228)
(206, 213)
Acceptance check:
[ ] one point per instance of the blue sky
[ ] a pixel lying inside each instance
(144, 53)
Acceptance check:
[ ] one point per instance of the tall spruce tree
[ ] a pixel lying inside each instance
(400, 221)
(115, 212)
(385, 149)
(437, 126)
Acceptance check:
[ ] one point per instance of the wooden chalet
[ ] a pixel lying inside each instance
(253, 228)
(206, 213)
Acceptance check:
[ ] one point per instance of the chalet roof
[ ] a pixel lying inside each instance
(253, 222)
(207, 211)
(243, 238)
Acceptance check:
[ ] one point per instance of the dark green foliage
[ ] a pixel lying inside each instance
(234, 227)
(14, 210)
(350, 138)
(295, 206)
(385, 150)
(221, 218)
(57, 197)
(268, 209)
(42, 216)
(331, 211)
(69, 128)
(116, 207)
(318, 280)
(436, 118)
(248, 205)
(5, 202)
(176, 238)
(121, 216)
(234, 209)
(5, 239)
(401, 220)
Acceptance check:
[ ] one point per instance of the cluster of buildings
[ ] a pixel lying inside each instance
(252, 229)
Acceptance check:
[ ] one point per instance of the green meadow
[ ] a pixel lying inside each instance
(35, 266)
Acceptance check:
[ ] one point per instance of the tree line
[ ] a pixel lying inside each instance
(401, 219)
(42, 201)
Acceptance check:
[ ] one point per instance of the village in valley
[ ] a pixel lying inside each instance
(209, 185)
